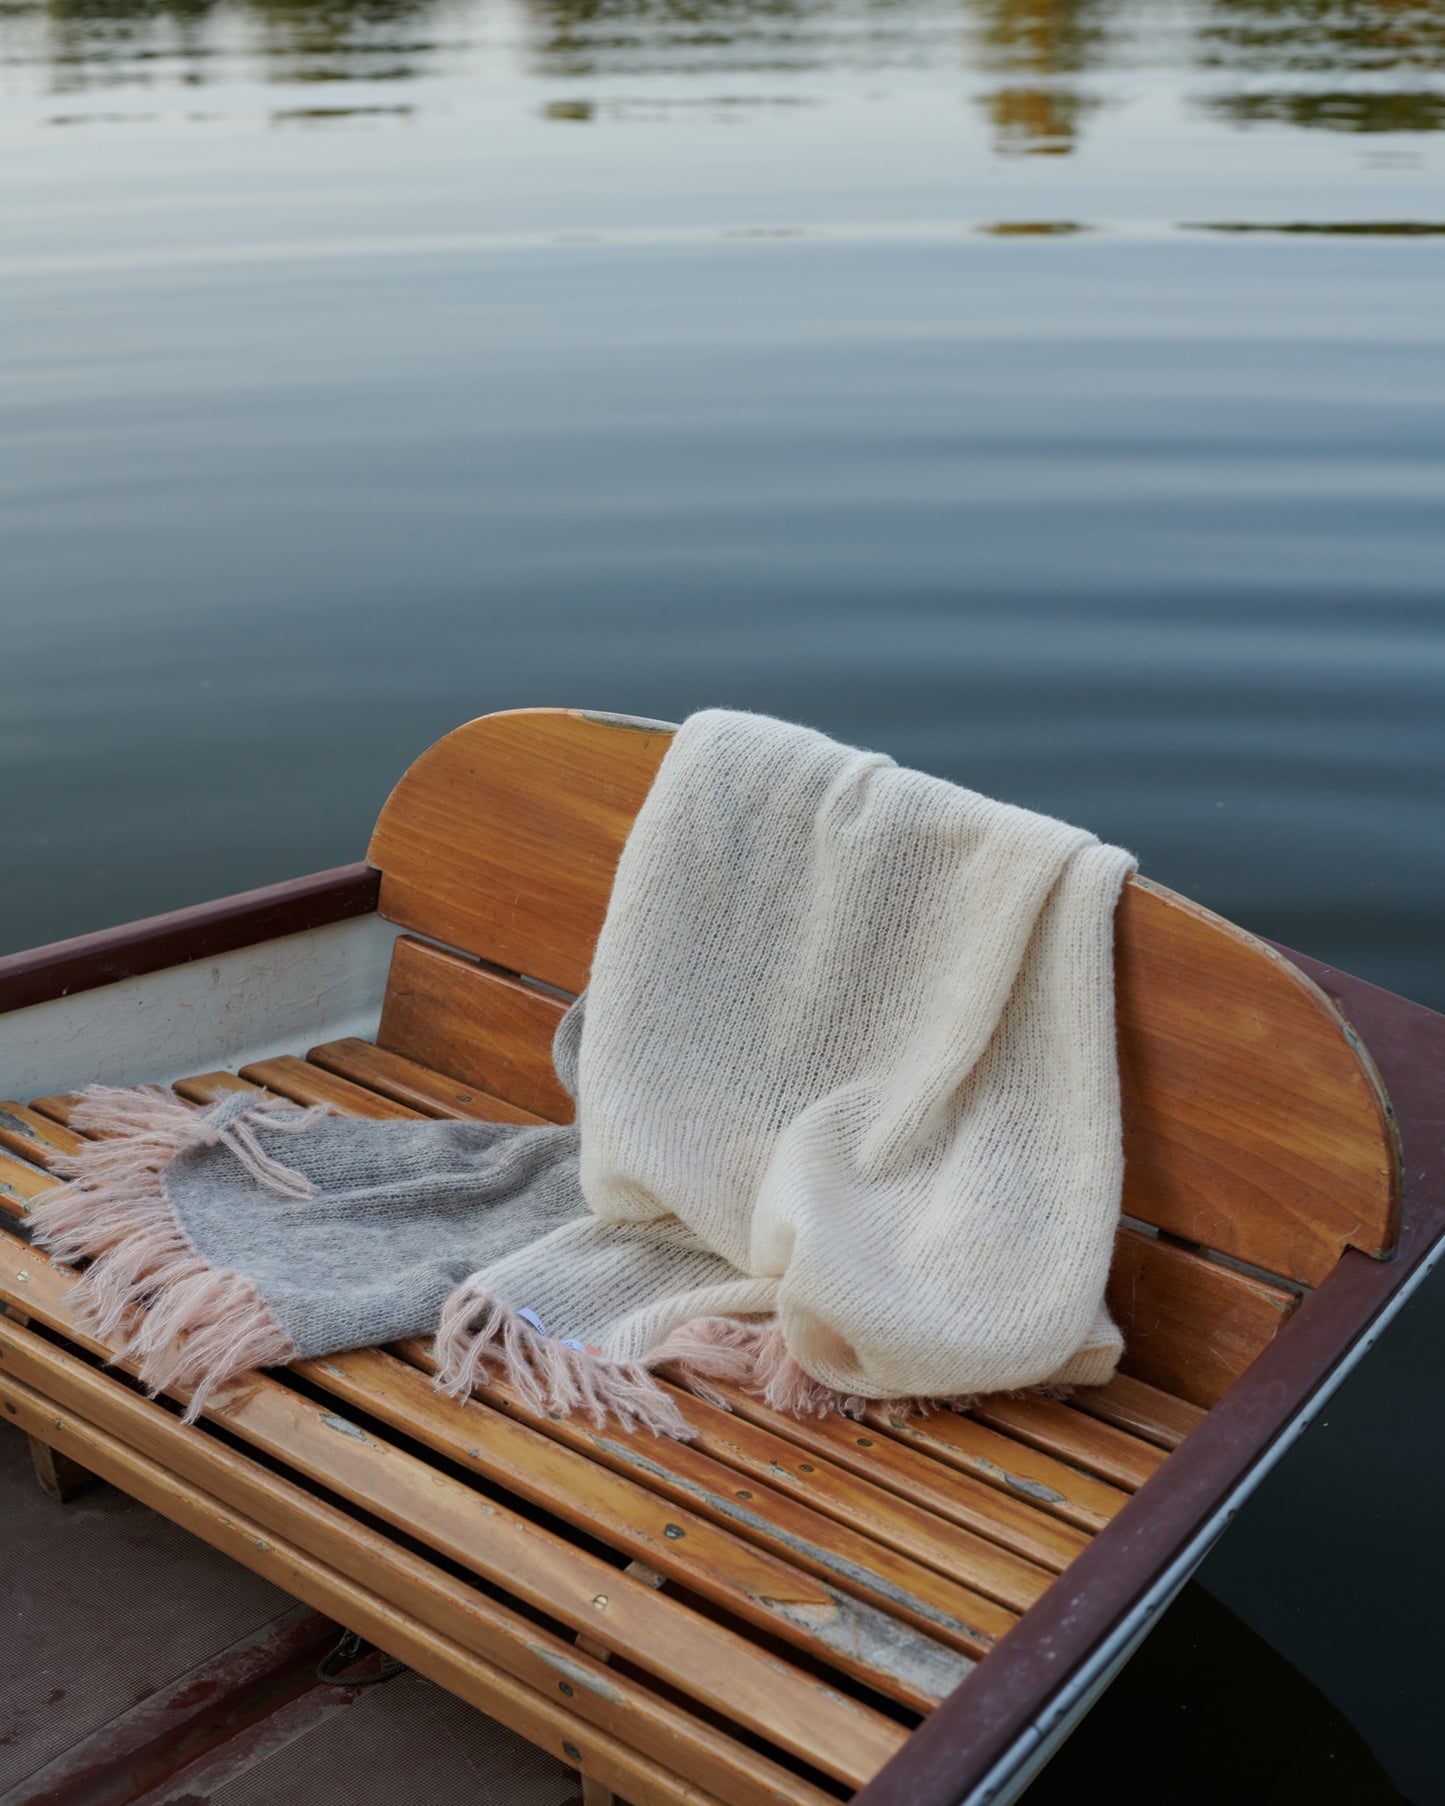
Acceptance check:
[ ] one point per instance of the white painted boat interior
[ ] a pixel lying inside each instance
(319, 985)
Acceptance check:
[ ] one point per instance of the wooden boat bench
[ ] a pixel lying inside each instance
(771, 1612)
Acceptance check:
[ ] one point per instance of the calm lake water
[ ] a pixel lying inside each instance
(1048, 392)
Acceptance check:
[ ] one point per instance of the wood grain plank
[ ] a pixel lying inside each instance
(306, 1084)
(22, 1187)
(211, 1087)
(405, 1082)
(1254, 1124)
(702, 1657)
(58, 1108)
(1143, 1410)
(502, 838)
(958, 1498)
(487, 1030)
(1013, 1467)
(757, 1454)
(1191, 1326)
(749, 1581)
(764, 1515)
(1047, 1424)
(34, 1137)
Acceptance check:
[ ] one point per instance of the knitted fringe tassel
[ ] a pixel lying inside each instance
(754, 1356)
(149, 1293)
(478, 1335)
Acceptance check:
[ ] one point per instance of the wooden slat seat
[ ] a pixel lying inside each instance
(761, 1615)
(883, 1560)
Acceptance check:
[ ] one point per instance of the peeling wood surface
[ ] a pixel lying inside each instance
(32, 1136)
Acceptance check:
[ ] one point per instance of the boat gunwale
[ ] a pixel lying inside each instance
(137, 949)
(969, 1738)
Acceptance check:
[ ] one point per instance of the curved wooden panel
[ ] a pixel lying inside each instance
(502, 838)
(1254, 1123)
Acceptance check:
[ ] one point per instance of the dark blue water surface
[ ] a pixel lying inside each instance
(1048, 392)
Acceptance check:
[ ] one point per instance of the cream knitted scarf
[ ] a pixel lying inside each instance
(848, 1128)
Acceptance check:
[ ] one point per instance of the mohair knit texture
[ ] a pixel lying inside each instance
(847, 1128)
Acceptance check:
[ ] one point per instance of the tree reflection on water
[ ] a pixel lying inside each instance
(129, 43)
(1368, 66)
(1310, 41)
(1041, 47)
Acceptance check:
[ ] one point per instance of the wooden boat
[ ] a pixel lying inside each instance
(912, 1612)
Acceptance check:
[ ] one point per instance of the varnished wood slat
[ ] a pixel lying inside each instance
(502, 838)
(405, 1082)
(780, 1597)
(1253, 1122)
(34, 1137)
(757, 1454)
(1143, 1410)
(702, 1657)
(22, 1186)
(58, 1108)
(999, 1461)
(1045, 1423)
(1191, 1325)
(211, 1087)
(447, 1013)
(306, 1084)
(958, 1498)
(553, 1725)
(772, 1520)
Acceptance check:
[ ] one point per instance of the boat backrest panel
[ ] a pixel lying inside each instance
(1255, 1125)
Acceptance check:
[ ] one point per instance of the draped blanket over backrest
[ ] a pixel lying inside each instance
(848, 1128)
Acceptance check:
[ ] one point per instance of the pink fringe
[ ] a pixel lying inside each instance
(478, 1334)
(753, 1356)
(149, 1293)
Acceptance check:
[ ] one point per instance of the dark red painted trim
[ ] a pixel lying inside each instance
(954, 1749)
(91, 960)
